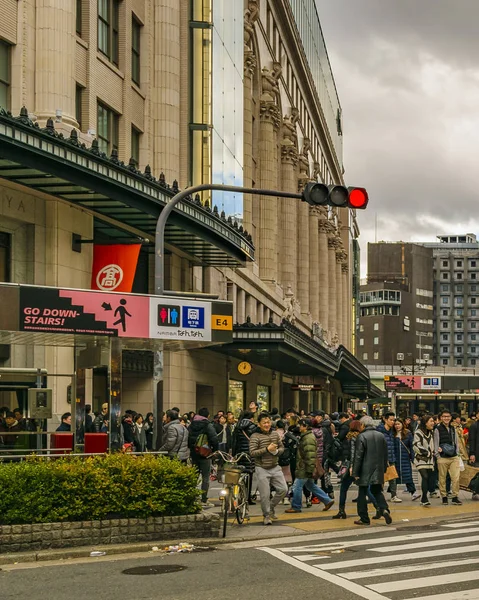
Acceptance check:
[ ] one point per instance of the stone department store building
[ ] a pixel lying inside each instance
(115, 105)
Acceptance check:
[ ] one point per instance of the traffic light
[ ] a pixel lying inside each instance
(319, 194)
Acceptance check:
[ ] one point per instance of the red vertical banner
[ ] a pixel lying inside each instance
(114, 267)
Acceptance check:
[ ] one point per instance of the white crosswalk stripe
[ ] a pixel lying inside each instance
(403, 570)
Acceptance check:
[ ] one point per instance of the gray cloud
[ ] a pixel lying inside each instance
(408, 80)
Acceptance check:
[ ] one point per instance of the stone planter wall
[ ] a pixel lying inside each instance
(22, 538)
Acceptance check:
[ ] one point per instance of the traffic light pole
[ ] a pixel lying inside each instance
(165, 213)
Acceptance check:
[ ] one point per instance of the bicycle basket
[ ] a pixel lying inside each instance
(231, 475)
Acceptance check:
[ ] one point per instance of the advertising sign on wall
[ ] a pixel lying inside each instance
(411, 382)
(53, 310)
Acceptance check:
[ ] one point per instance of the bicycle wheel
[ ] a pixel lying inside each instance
(224, 512)
(241, 503)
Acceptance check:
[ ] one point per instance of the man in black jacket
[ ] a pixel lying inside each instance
(370, 464)
(474, 442)
(199, 426)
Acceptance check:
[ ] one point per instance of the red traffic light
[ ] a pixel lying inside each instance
(358, 198)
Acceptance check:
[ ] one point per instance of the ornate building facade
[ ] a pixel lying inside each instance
(197, 91)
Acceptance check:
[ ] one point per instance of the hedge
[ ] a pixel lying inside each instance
(113, 486)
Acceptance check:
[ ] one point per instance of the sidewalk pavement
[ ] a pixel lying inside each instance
(315, 520)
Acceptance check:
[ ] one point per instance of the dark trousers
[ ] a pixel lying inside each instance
(377, 492)
(346, 483)
(428, 478)
(203, 465)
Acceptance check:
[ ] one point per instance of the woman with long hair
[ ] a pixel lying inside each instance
(423, 448)
(403, 440)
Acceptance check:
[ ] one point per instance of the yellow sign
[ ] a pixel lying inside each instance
(223, 322)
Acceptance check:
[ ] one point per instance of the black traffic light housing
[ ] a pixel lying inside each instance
(319, 194)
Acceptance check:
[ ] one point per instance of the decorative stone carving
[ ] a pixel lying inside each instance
(289, 155)
(292, 308)
(250, 63)
(270, 87)
(290, 136)
(251, 15)
(345, 268)
(334, 242)
(304, 165)
(270, 112)
(316, 171)
(341, 256)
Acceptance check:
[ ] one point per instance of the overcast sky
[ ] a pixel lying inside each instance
(407, 73)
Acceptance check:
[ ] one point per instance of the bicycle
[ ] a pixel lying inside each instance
(234, 495)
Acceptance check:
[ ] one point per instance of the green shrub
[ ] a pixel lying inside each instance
(114, 486)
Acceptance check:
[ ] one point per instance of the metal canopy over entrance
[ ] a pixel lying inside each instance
(287, 349)
(44, 160)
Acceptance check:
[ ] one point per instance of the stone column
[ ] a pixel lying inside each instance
(332, 290)
(339, 295)
(314, 214)
(55, 50)
(325, 228)
(303, 231)
(165, 92)
(267, 242)
(249, 69)
(347, 306)
(288, 218)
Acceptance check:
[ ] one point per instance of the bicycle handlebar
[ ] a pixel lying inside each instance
(231, 459)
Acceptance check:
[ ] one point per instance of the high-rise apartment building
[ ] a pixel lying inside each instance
(396, 305)
(456, 300)
(108, 106)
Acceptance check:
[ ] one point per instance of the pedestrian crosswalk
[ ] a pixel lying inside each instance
(423, 565)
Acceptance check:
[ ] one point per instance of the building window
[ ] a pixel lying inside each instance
(135, 145)
(459, 276)
(445, 313)
(107, 126)
(444, 300)
(361, 341)
(4, 75)
(458, 337)
(79, 17)
(458, 349)
(108, 19)
(473, 288)
(365, 356)
(459, 287)
(445, 263)
(473, 263)
(78, 105)
(459, 362)
(376, 341)
(473, 300)
(473, 349)
(445, 349)
(5, 254)
(135, 51)
(459, 263)
(445, 276)
(445, 337)
(473, 312)
(263, 397)
(376, 356)
(459, 324)
(361, 328)
(473, 325)
(376, 326)
(444, 325)
(444, 287)
(473, 362)
(473, 276)
(473, 337)
(445, 361)
(458, 299)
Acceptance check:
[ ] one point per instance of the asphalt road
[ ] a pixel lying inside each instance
(434, 562)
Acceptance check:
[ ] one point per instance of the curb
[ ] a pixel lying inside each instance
(145, 547)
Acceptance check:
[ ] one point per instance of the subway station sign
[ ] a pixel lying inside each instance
(85, 312)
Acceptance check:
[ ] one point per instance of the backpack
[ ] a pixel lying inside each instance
(335, 450)
(202, 446)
